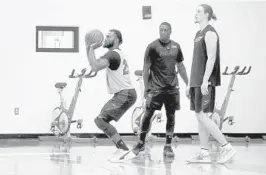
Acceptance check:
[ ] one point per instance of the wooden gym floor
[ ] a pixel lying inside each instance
(32, 157)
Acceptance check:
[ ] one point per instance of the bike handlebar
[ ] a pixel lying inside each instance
(235, 71)
(83, 72)
(243, 71)
(90, 75)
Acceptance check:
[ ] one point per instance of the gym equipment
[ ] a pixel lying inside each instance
(139, 111)
(218, 116)
(62, 117)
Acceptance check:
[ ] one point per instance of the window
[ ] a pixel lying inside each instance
(57, 39)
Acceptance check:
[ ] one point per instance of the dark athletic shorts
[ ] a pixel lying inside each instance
(156, 99)
(116, 107)
(199, 102)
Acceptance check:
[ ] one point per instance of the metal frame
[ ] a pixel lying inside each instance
(58, 28)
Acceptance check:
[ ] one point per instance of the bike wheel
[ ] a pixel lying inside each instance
(217, 120)
(55, 114)
(63, 123)
(136, 119)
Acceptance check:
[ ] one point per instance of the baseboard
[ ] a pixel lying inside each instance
(100, 135)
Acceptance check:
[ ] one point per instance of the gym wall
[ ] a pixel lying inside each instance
(28, 77)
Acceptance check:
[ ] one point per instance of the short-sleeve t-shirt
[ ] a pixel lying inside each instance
(163, 58)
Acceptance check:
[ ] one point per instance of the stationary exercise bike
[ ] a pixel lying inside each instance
(139, 111)
(218, 116)
(62, 116)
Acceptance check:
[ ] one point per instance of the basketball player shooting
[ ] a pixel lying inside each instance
(118, 83)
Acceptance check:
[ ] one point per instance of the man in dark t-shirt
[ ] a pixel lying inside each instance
(204, 78)
(161, 84)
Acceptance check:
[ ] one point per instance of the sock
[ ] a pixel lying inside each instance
(211, 127)
(119, 142)
(170, 125)
(142, 137)
(205, 151)
(169, 137)
(225, 144)
(122, 145)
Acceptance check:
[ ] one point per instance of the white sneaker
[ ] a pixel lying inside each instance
(124, 156)
(226, 153)
(115, 154)
(202, 157)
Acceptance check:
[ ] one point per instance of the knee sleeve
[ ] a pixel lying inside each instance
(170, 124)
(146, 121)
(101, 123)
(105, 126)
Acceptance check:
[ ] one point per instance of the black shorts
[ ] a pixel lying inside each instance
(155, 101)
(199, 102)
(116, 107)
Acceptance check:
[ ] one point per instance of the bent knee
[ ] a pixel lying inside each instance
(97, 121)
(100, 122)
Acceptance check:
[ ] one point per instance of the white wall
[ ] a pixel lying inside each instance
(28, 78)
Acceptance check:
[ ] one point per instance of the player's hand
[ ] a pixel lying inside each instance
(204, 88)
(188, 92)
(96, 45)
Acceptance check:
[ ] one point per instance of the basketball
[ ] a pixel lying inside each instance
(94, 36)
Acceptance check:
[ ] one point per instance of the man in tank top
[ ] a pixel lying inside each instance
(204, 78)
(118, 83)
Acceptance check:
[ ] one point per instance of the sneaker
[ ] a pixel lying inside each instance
(117, 155)
(139, 147)
(128, 155)
(168, 151)
(226, 153)
(202, 157)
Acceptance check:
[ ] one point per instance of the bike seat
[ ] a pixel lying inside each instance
(138, 72)
(60, 85)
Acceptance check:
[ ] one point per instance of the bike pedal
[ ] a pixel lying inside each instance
(231, 123)
(79, 126)
(52, 129)
(231, 120)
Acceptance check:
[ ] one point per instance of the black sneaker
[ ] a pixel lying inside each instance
(138, 148)
(168, 151)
